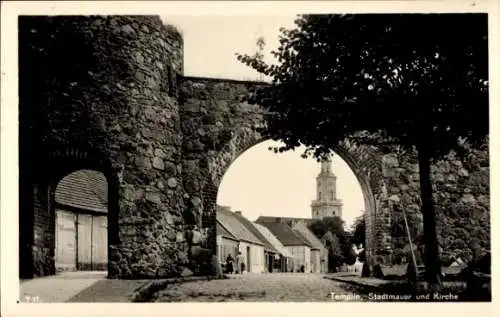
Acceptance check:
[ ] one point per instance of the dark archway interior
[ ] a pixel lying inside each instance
(37, 214)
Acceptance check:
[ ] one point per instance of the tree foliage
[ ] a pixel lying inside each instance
(335, 225)
(350, 256)
(399, 233)
(391, 75)
(416, 80)
(335, 255)
(358, 231)
(259, 53)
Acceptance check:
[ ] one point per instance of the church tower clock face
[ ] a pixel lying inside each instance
(326, 204)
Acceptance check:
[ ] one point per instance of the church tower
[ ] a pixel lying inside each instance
(326, 203)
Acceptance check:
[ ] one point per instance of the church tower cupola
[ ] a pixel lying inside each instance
(326, 204)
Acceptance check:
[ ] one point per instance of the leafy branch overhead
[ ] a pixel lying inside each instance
(404, 77)
(419, 81)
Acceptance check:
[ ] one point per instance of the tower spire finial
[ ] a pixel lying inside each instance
(326, 166)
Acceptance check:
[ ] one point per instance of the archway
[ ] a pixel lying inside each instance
(364, 161)
(261, 187)
(38, 215)
(260, 174)
(81, 215)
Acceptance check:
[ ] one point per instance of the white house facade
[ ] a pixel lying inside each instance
(250, 247)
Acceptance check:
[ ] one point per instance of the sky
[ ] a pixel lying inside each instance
(258, 182)
(211, 42)
(262, 183)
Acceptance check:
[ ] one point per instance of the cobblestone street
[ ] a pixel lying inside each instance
(297, 287)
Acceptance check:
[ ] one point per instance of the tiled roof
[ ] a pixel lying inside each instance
(223, 232)
(286, 220)
(85, 189)
(313, 240)
(284, 233)
(251, 227)
(235, 227)
(273, 240)
(302, 237)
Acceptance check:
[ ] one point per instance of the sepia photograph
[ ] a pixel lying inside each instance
(324, 157)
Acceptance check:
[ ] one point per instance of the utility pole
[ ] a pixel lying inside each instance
(414, 260)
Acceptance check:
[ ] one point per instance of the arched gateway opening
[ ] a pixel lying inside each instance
(81, 214)
(70, 220)
(364, 162)
(261, 187)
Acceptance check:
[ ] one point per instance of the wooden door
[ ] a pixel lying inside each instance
(100, 243)
(270, 264)
(248, 268)
(84, 242)
(65, 252)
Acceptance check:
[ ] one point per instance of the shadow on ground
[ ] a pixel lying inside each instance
(109, 291)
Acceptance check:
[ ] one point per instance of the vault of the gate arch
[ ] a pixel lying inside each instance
(218, 130)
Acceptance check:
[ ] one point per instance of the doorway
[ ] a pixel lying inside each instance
(81, 233)
(270, 262)
(65, 241)
(81, 241)
(248, 259)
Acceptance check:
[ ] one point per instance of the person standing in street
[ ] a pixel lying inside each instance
(238, 263)
(229, 264)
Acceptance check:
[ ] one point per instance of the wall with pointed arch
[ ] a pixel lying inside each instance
(108, 93)
(222, 128)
